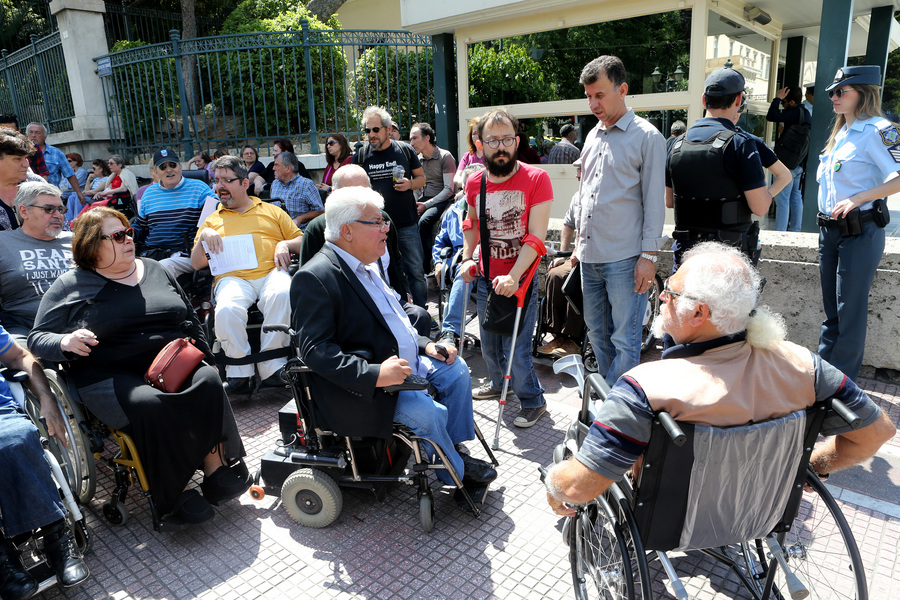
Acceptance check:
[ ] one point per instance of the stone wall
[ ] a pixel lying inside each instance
(790, 264)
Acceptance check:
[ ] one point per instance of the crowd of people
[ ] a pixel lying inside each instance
(105, 298)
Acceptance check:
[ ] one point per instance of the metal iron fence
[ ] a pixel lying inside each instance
(34, 84)
(147, 25)
(205, 93)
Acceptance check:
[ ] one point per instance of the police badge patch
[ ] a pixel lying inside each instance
(895, 152)
(889, 135)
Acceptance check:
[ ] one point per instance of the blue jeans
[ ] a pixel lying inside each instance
(411, 253)
(495, 351)
(456, 301)
(613, 313)
(446, 419)
(789, 204)
(28, 495)
(847, 267)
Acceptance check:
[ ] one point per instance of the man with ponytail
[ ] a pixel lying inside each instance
(731, 366)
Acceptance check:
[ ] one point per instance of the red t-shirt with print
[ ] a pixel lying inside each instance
(508, 206)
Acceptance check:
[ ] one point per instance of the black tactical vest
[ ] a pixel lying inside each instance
(706, 198)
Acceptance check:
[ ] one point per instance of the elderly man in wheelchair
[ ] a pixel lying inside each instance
(753, 405)
(360, 345)
(29, 497)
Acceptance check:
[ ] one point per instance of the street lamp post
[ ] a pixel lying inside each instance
(670, 84)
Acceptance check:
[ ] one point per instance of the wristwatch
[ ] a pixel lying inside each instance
(651, 257)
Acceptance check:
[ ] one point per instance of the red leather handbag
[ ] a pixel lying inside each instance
(173, 365)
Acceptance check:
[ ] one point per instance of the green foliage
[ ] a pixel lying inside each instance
(890, 98)
(506, 76)
(643, 43)
(273, 80)
(398, 80)
(18, 20)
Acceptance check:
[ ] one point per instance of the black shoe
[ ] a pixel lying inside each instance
(476, 492)
(191, 508)
(223, 485)
(477, 472)
(274, 380)
(63, 555)
(238, 386)
(449, 338)
(15, 582)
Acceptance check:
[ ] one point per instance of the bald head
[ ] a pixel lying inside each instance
(350, 176)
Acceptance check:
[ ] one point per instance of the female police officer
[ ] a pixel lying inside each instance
(863, 149)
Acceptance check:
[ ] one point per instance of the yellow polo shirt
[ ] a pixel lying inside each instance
(268, 224)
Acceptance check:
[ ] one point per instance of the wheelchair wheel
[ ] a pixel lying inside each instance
(426, 511)
(650, 313)
(80, 467)
(587, 356)
(115, 512)
(312, 498)
(597, 553)
(820, 550)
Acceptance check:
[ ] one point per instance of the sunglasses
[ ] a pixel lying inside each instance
(372, 130)
(840, 92)
(168, 165)
(332, 142)
(51, 208)
(119, 236)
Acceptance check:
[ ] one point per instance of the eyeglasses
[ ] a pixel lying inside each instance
(507, 141)
(840, 92)
(51, 208)
(225, 180)
(333, 142)
(666, 292)
(168, 165)
(373, 130)
(381, 224)
(119, 236)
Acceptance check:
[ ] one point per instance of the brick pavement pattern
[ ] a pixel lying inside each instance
(378, 550)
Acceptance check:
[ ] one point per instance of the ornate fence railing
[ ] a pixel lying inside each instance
(224, 91)
(34, 84)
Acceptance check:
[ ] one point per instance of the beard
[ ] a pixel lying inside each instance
(500, 169)
(658, 328)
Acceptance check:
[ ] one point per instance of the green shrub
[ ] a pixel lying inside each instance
(507, 76)
(400, 81)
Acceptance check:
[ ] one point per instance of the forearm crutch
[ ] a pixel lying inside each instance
(473, 271)
(520, 303)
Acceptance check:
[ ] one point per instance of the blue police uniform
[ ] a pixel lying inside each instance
(860, 159)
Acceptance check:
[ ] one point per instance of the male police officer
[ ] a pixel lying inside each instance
(718, 205)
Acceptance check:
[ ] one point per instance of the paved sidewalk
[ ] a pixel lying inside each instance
(378, 550)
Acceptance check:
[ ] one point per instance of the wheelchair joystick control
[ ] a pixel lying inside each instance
(413, 382)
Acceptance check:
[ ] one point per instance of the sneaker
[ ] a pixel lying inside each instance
(485, 392)
(566, 348)
(529, 416)
(554, 344)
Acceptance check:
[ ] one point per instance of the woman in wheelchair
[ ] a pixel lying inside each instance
(109, 318)
(29, 498)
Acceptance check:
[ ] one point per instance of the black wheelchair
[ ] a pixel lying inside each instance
(310, 464)
(744, 496)
(65, 464)
(451, 262)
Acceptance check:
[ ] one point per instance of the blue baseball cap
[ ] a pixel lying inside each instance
(861, 75)
(724, 82)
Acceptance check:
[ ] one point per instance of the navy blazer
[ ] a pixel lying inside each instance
(338, 325)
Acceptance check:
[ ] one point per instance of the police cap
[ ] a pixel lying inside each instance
(862, 75)
(724, 82)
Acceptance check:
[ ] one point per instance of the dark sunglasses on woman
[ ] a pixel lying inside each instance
(119, 236)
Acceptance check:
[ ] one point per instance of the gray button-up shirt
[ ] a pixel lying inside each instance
(436, 166)
(622, 194)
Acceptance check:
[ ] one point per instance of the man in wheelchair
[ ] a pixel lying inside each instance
(358, 341)
(731, 366)
(29, 498)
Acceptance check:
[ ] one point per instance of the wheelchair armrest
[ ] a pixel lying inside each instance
(277, 327)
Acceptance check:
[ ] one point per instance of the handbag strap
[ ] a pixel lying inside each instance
(483, 226)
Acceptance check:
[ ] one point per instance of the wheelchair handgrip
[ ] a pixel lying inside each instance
(846, 414)
(278, 327)
(672, 428)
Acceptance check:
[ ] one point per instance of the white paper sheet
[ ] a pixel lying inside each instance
(238, 254)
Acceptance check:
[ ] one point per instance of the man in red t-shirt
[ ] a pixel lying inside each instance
(517, 205)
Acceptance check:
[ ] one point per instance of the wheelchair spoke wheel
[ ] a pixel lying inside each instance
(650, 313)
(312, 498)
(821, 551)
(77, 461)
(599, 555)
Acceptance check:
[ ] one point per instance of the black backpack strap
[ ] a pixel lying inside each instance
(482, 223)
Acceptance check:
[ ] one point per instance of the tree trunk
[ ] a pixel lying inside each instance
(189, 63)
(323, 9)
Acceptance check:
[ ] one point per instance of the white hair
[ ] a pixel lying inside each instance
(345, 206)
(376, 111)
(722, 277)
